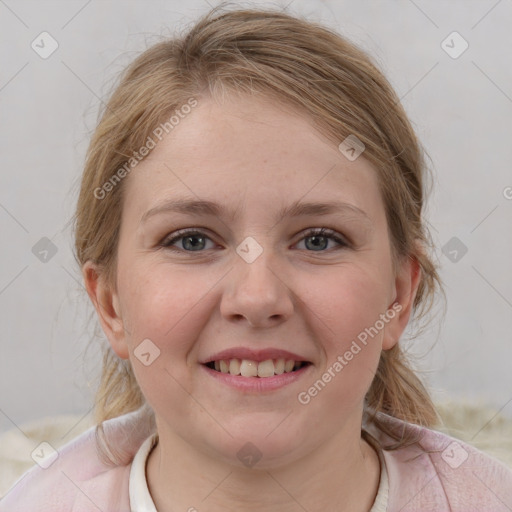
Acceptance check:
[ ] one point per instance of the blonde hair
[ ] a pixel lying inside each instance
(320, 74)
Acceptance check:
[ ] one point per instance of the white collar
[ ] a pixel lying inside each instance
(141, 501)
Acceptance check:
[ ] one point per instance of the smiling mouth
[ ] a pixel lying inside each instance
(262, 369)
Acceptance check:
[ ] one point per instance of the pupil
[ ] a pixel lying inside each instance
(193, 245)
(315, 240)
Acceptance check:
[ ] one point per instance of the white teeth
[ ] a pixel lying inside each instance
(266, 368)
(248, 368)
(234, 366)
(288, 366)
(279, 367)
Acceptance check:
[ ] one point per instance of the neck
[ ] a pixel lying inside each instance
(342, 475)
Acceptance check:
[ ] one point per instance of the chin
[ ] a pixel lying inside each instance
(260, 444)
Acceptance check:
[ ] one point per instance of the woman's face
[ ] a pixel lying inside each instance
(251, 285)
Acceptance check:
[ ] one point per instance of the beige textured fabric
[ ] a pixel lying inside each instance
(17, 445)
(481, 426)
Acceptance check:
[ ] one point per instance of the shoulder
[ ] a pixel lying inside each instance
(441, 473)
(78, 480)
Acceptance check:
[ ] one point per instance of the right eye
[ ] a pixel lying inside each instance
(191, 240)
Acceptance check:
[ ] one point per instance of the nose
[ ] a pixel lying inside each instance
(257, 293)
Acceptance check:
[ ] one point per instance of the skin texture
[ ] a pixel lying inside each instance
(254, 157)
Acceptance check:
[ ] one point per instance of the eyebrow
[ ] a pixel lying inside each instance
(296, 209)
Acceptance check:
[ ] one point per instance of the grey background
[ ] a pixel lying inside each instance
(461, 109)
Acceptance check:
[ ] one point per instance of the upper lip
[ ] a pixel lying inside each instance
(253, 355)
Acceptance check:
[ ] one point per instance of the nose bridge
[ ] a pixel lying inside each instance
(256, 290)
(256, 267)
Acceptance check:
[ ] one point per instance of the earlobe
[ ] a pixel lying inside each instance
(106, 303)
(407, 282)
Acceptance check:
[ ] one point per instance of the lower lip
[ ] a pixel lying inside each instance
(258, 384)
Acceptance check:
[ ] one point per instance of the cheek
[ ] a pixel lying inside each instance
(348, 309)
(157, 299)
(170, 307)
(350, 301)
(163, 310)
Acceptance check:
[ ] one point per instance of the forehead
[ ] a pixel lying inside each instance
(250, 152)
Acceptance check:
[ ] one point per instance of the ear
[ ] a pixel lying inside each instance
(106, 303)
(407, 280)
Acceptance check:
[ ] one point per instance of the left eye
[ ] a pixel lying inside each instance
(194, 241)
(318, 237)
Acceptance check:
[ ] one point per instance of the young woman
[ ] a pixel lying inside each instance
(251, 235)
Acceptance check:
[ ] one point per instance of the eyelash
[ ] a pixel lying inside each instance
(321, 232)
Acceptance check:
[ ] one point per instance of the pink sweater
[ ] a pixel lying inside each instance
(453, 477)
